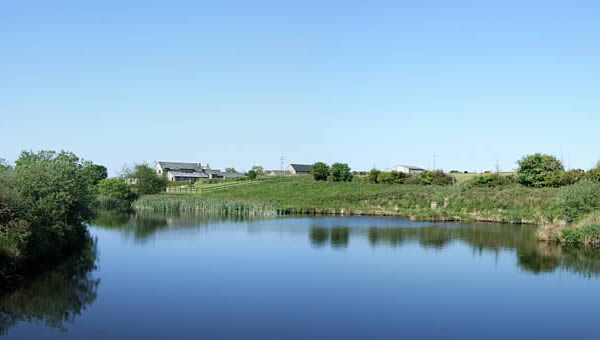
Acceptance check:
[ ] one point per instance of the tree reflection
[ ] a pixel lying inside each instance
(532, 256)
(55, 297)
(340, 237)
(319, 236)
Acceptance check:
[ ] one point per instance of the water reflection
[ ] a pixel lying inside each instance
(55, 297)
(337, 233)
(143, 226)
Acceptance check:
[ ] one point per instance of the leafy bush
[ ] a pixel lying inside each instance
(562, 178)
(491, 180)
(392, 177)
(437, 177)
(373, 176)
(588, 235)
(579, 199)
(441, 178)
(538, 170)
(320, 171)
(146, 180)
(252, 174)
(593, 175)
(115, 188)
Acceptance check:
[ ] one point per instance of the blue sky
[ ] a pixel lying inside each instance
(238, 83)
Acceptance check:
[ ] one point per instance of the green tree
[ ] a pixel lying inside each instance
(426, 178)
(57, 197)
(230, 170)
(145, 180)
(94, 172)
(373, 174)
(341, 172)
(258, 169)
(320, 171)
(252, 175)
(537, 170)
(114, 188)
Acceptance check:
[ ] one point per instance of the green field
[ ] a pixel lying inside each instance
(302, 195)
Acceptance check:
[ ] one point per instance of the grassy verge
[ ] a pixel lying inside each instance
(302, 195)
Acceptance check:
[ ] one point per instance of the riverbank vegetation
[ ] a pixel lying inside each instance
(540, 192)
(44, 200)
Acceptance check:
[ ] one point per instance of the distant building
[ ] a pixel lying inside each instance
(408, 169)
(277, 172)
(299, 169)
(178, 171)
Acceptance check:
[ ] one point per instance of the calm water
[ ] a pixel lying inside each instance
(346, 277)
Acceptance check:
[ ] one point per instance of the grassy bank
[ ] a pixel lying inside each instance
(302, 195)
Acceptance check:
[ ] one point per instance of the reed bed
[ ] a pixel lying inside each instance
(205, 206)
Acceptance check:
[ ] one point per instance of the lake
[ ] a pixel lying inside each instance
(309, 277)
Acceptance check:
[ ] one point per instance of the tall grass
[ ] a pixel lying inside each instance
(216, 207)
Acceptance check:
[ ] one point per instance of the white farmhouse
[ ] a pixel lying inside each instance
(408, 169)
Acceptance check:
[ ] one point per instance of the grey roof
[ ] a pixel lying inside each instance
(174, 166)
(188, 174)
(410, 167)
(301, 167)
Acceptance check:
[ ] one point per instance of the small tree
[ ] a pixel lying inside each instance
(537, 170)
(373, 175)
(230, 170)
(146, 180)
(252, 175)
(320, 171)
(114, 188)
(258, 169)
(340, 172)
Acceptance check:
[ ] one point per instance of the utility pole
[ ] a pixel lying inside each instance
(281, 159)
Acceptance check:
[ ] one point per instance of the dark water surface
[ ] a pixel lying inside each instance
(345, 277)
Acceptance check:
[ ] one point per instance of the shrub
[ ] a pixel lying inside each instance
(252, 175)
(438, 177)
(146, 180)
(538, 170)
(562, 178)
(392, 177)
(588, 235)
(320, 171)
(373, 175)
(341, 172)
(593, 175)
(115, 188)
(491, 180)
(579, 199)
